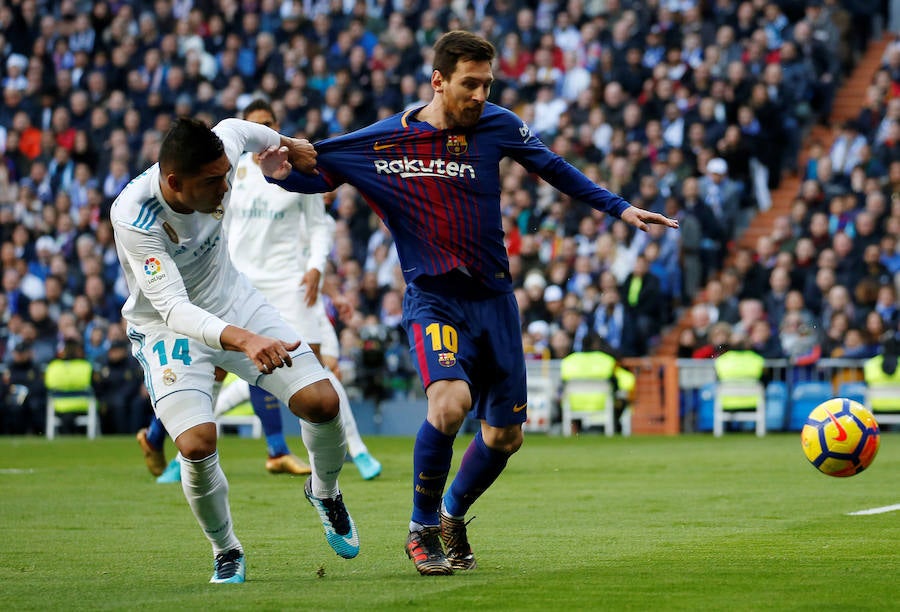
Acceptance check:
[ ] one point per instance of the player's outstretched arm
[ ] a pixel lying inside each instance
(640, 218)
(266, 353)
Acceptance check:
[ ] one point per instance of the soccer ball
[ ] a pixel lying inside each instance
(840, 437)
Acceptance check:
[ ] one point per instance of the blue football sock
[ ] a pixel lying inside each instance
(432, 455)
(268, 409)
(479, 468)
(156, 434)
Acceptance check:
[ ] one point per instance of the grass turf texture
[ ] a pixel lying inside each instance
(685, 523)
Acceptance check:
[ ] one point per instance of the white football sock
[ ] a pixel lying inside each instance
(355, 445)
(325, 444)
(206, 489)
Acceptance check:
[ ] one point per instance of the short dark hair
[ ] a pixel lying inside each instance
(259, 104)
(458, 45)
(188, 146)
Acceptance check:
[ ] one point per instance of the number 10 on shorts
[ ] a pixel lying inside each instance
(443, 337)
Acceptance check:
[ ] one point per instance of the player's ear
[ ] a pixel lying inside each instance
(173, 182)
(437, 81)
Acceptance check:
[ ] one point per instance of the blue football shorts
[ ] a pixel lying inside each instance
(475, 340)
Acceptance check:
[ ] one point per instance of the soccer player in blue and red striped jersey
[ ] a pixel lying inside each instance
(432, 174)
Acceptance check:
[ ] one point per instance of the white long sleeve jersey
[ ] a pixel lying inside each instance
(177, 265)
(275, 236)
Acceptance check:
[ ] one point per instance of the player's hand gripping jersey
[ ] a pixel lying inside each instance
(438, 191)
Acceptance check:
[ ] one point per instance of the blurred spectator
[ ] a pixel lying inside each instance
(536, 340)
(813, 51)
(775, 299)
(687, 343)
(700, 322)
(553, 302)
(643, 299)
(69, 368)
(118, 382)
(886, 306)
(25, 397)
(845, 151)
(717, 343)
(536, 309)
(721, 195)
(799, 341)
(838, 300)
(763, 342)
(856, 345)
(750, 310)
(702, 235)
(613, 322)
(848, 262)
(754, 277)
(723, 305)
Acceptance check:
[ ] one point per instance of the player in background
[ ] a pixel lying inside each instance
(432, 174)
(190, 311)
(280, 240)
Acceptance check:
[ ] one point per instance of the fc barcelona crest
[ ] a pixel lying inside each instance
(456, 144)
(448, 360)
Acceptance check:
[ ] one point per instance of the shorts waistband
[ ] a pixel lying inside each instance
(456, 284)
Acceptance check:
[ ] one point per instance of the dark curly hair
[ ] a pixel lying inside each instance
(188, 146)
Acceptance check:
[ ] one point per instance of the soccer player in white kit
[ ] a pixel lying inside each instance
(280, 241)
(190, 311)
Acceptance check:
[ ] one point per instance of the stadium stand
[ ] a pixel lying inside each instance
(848, 102)
(771, 129)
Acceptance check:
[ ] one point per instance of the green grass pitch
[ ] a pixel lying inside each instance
(644, 523)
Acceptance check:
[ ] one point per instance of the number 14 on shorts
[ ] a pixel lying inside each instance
(180, 351)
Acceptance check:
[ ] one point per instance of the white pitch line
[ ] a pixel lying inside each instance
(880, 510)
(16, 471)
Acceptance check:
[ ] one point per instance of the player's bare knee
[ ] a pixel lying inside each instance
(197, 442)
(504, 439)
(449, 401)
(447, 414)
(316, 403)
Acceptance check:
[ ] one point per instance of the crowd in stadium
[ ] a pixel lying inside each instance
(688, 108)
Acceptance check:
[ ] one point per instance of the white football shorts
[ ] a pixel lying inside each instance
(173, 363)
(290, 300)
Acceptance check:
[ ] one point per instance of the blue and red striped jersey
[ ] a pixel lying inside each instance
(438, 191)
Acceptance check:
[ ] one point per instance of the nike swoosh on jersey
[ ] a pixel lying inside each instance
(380, 147)
(520, 408)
